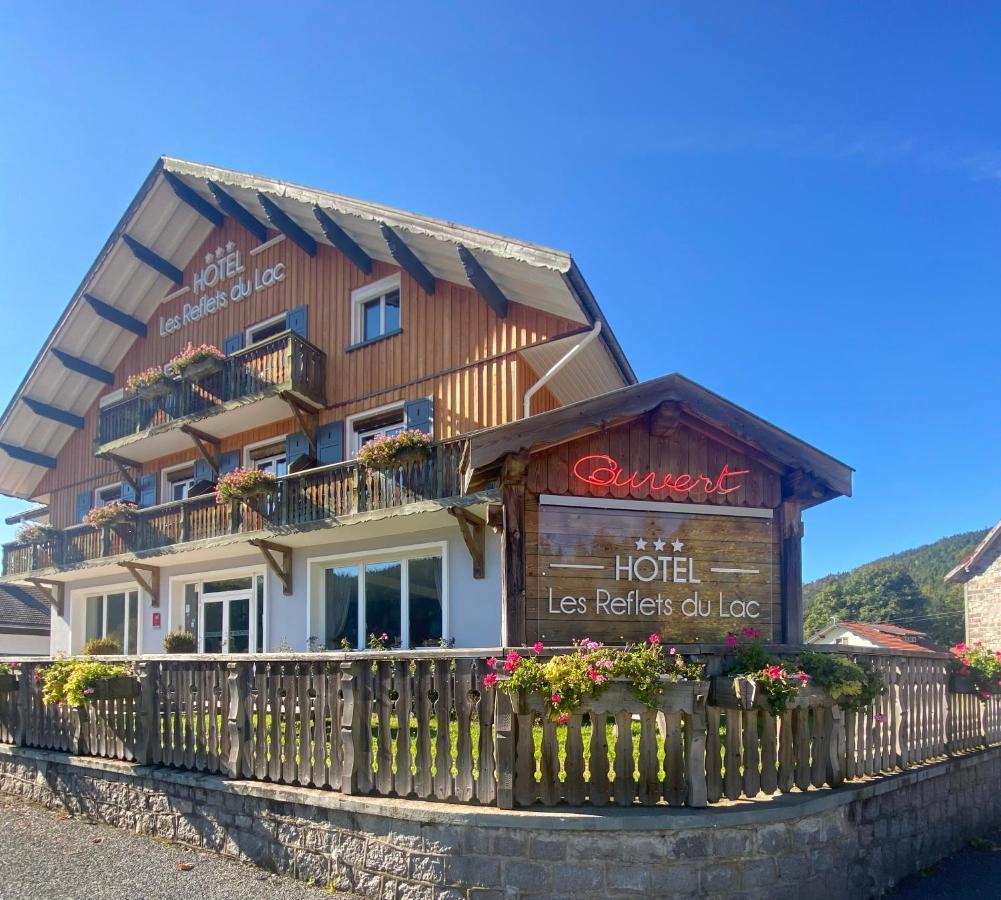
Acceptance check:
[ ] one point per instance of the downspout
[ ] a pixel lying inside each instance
(559, 364)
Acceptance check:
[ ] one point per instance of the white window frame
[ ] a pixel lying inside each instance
(316, 566)
(361, 296)
(175, 594)
(354, 437)
(78, 606)
(166, 483)
(248, 342)
(104, 487)
(248, 461)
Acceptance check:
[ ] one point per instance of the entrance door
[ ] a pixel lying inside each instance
(226, 624)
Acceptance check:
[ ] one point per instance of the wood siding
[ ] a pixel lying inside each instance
(452, 347)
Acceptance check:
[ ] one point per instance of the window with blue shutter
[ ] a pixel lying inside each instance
(420, 414)
(128, 492)
(84, 502)
(229, 461)
(330, 443)
(147, 490)
(203, 471)
(297, 321)
(296, 446)
(233, 344)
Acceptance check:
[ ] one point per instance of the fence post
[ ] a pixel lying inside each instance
(696, 733)
(237, 717)
(146, 720)
(901, 689)
(80, 721)
(504, 725)
(350, 726)
(23, 703)
(837, 747)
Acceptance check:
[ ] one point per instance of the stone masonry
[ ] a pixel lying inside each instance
(849, 843)
(983, 600)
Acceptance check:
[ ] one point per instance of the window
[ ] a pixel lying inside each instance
(264, 331)
(375, 310)
(226, 615)
(177, 483)
(105, 495)
(116, 616)
(271, 458)
(387, 422)
(401, 596)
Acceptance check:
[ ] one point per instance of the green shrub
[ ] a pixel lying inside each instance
(72, 680)
(180, 642)
(102, 647)
(847, 682)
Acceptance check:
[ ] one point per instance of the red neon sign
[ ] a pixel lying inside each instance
(605, 471)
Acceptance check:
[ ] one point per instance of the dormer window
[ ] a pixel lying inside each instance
(375, 310)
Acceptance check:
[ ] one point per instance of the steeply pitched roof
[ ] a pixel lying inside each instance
(968, 567)
(892, 637)
(174, 212)
(23, 607)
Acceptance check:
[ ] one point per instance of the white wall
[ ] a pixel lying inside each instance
(24, 644)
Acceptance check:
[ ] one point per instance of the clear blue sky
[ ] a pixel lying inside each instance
(796, 205)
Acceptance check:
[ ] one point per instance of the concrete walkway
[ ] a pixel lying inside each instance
(46, 855)
(970, 874)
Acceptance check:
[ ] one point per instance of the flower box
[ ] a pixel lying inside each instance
(244, 485)
(197, 371)
(112, 514)
(674, 697)
(154, 392)
(119, 687)
(194, 363)
(385, 454)
(8, 682)
(741, 692)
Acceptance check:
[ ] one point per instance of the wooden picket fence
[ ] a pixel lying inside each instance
(422, 725)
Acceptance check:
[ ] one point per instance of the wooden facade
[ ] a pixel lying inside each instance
(451, 347)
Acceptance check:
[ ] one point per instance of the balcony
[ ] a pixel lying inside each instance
(246, 391)
(303, 499)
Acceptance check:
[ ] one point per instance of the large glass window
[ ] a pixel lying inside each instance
(113, 615)
(226, 615)
(402, 598)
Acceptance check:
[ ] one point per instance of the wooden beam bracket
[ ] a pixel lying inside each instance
(306, 418)
(282, 569)
(124, 465)
(200, 439)
(148, 578)
(473, 530)
(54, 591)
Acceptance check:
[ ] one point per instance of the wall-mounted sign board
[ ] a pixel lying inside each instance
(619, 570)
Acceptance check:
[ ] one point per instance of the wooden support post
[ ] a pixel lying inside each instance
(146, 731)
(473, 530)
(200, 439)
(512, 483)
(283, 569)
(351, 725)
(54, 592)
(125, 467)
(238, 721)
(148, 578)
(791, 525)
(306, 418)
(504, 726)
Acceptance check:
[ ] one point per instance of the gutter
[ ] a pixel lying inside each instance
(559, 364)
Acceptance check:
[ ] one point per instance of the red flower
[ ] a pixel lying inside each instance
(564, 718)
(748, 632)
(555, 699)
(731, 641)
(654, 638)
(492, 662)
(537, 646)
(490, 680)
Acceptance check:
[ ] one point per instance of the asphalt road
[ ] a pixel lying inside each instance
(45, 855)
(970, 874)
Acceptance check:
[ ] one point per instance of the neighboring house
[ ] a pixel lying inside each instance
(337, 322)
(869, 634)
(980, 575)
(24, 621)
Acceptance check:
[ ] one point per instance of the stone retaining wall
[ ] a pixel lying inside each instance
(847, 843)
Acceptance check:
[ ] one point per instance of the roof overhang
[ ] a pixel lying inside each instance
(966, 569)
(826, 476)
(170, 217)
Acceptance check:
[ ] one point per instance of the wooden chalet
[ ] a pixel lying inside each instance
(558, 498)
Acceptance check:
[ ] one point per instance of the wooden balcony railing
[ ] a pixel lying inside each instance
(287, 362)
(328, 492)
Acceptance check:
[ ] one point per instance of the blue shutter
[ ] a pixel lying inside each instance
(233, 344)
(296, 321)
(296, 445)
(420, 414)
(84, 501)
(229, 461)
(330, 443)
(203, 471)
(128, 492)
(147, 490)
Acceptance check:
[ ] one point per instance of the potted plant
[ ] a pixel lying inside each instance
(8, 678)
(244, 484)
(152, 384)
(194, 363)
(180, 642)
(36, 534)
(404, 449)
(105, 646)
(80, 680)
(976, 669)
(118, 512)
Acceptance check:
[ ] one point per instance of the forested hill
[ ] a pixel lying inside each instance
(941, 612)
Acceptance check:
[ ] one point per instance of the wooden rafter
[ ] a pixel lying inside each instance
(286, 224)
(480, 279)
(305, 417)
(200, 439)
(343, 241)
(407, 260)
(54, 592)
(153, 259)
(282, 569)
(473, 530)
(148, 578)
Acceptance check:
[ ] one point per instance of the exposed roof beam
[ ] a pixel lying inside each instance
(81, 366)
(232, 208)
(285, 224)
(116, 316)
(195, 200)
(29, 456)
(48, 411)
(406, 259)
(480, 279)
(343, 241)
(154, 260)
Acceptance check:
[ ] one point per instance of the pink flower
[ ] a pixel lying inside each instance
(555, 699)
(537, 646)
(960, 647)
(88, 691)
(985, 694)
(606, 663)
(564, 718)
(673, 651)
(490, 680)
(492, 662)
(511, 662)
(880, 717)
(802, 676)
(748, 632)
(654, 638)
(731, 641)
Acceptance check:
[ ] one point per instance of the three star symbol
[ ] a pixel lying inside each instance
(659, 544)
